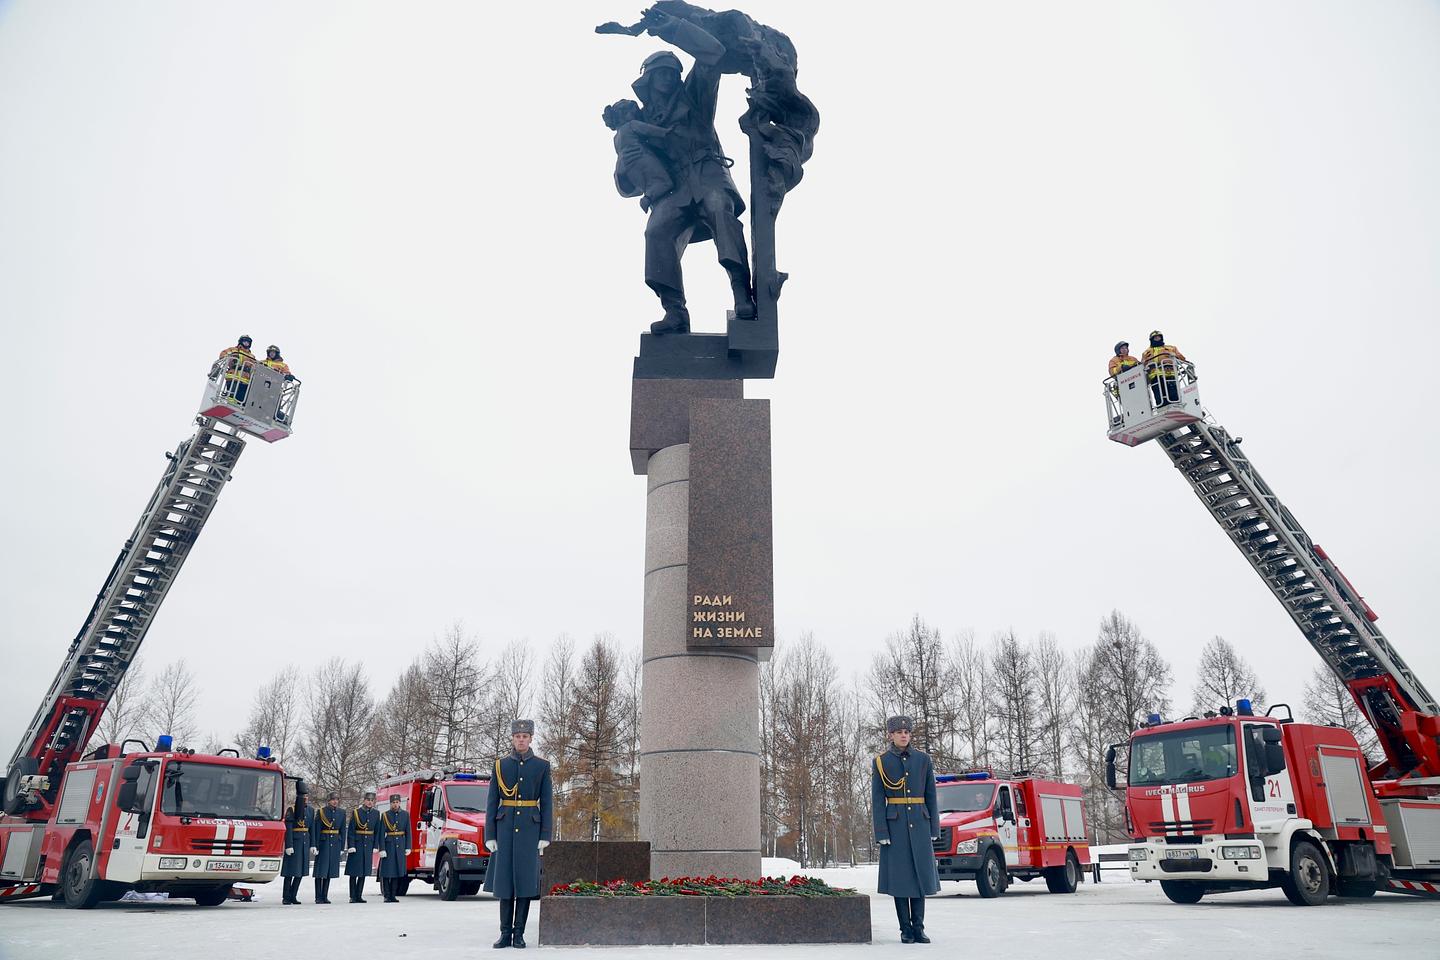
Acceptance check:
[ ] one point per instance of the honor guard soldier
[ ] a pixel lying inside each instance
(517, 828)
(907, 818)
(361, 829)
(394, 848)
(329, 821)
(299, 848)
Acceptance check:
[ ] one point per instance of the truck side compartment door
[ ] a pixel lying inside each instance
(435, 829)
(132, 827)
(1006, 825)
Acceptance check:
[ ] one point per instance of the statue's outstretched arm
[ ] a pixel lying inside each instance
(686, 35)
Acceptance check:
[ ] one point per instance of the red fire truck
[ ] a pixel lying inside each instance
(89, 827)
(1234, 801)
(995, 829)
(448, 850)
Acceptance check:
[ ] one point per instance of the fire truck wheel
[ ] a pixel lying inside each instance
(1064, 879)
(447, 881)
(1356, 888)
(24, 767)
(402, 886)
(1307, 883)
(1181, 891)
(212, 898)
(80, 888)
(990, 878)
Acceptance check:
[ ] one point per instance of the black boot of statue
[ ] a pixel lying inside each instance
(522, 913)
(507, 924)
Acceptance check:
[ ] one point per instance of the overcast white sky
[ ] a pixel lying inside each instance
(415, 201)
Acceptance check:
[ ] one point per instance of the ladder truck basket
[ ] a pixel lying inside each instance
(252, 397)
(1150, 399)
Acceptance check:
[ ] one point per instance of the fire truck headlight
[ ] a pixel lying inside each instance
(270, 866)
(1240, 853)
(967, 846)
(1137, 853)
(172, 863)
(466, 849)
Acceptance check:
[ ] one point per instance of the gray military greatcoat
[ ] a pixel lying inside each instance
(329, 840)
(299, 837)
(362, 829)
(905, 811)
(517, 818)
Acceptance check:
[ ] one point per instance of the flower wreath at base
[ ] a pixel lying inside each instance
(711, 886)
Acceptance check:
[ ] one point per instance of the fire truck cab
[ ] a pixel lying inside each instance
(169, 820)
(448, 850)
(1234, 801)
(995, 829)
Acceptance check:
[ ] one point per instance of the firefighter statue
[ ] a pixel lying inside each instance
(361, 826)
(394, 848)
(329, 821)
(299, 846)
(907, 817)
(517, 828)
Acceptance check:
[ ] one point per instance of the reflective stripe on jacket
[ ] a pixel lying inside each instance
(1120, 364)
(1154, 357)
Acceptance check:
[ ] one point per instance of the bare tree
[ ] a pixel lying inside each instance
(912, 675)
(275, 718)
(1056, 702)
(170, 704)
(558, 734)
(1013, 697)
(508, 695)
(404, 734)
(336, 748)
(1327, 700)
(969, 672)
(454, 694)
(1224, 677)
(124, 715)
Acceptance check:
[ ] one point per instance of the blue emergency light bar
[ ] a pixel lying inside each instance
(946, 777)
(163, 743)
(466, 776)
(1153, 720)
(263, 753)
(1244, 707)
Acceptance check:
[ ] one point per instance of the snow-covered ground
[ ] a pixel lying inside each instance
(1113, 919)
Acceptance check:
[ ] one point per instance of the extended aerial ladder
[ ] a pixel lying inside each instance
(1319, 598)
(241, 397)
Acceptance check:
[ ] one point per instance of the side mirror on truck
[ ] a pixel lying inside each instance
(1110, 767)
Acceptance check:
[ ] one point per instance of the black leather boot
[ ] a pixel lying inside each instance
(507, 924)
(917, 919)
(902, 913)
(319, 889)
(522, 913)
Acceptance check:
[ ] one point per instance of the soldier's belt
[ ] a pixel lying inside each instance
(396, 833)
(519, 803)
(364, 833)
(904, 799)
(329, 832)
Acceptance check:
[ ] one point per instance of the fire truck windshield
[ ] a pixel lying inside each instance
(194, 789)
(1184, 756)
(965, 797)
(466, 798)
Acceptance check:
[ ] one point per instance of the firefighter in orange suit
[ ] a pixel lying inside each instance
(1122, 360)
(238, 363)
(394, 848)
(1159, 359)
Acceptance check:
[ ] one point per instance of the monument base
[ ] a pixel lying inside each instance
(566, 861)
(659, 921)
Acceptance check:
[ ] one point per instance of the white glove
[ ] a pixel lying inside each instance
(933, 839)
(884, 843)
(383, 854)
(490, 845)
(407, 853)
(544, 844)
(289, 850)
(349, 849)
(313, 851)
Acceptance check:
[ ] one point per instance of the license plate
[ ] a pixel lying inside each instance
(223, 865)
(1182, 854)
